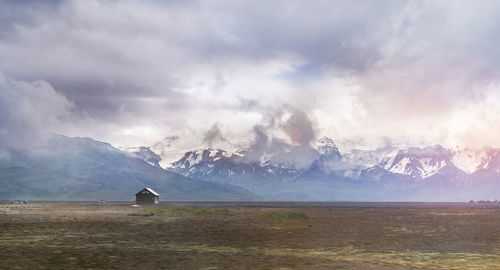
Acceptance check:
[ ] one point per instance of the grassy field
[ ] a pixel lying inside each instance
(65, 236)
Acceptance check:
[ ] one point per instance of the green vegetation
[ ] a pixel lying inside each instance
(141, 214)
(293, 215)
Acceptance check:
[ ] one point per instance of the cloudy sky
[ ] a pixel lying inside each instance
(217, 73)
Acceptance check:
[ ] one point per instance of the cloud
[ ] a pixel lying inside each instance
(170, 139)
(27, 111)
(427, 66)
(141, 70)
(300, 128)
(295, 150)
(213, 135)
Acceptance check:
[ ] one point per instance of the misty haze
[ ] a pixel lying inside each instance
(249, 134)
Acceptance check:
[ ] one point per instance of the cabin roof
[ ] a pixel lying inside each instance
(150, 190)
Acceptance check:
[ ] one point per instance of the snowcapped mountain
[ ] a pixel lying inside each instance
(73, 168)
(144, 153)
(195, 157)
(490, 161)
(416, 172)
(220, 166)
(327, 156)
(469, 160)
(488, 171)
(217, 164)
(421, 163)
(328, 149)
(417, 163)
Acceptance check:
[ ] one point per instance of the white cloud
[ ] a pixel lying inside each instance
(28, 111)
(138, 71)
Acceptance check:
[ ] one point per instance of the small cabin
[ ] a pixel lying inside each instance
(147, 196)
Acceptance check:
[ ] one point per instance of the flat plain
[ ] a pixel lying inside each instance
(77, 236)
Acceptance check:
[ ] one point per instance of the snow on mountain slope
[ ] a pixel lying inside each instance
(420, 162)
(357, 158)
(469, 160)
(221, 166)
(386, 170)
(328, 161)
(196, 157)
(490, 160)
(170, 149)
(144, 153)
(326, 147)
(73, 168)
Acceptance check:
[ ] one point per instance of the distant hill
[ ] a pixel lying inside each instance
(68, 168)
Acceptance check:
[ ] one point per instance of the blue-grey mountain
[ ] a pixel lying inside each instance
(386, 173)
(64, 168)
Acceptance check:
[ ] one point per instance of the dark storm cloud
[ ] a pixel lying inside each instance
(28, 110)
(136, 64)
(170, 139)
(331, 34)
(96, 66)
(296, 152)
(23, 12)
(300, 128)
(112, 49)
(109, 101)
(213, 135)
(260, 144)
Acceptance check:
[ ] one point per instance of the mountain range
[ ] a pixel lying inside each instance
(432, 173)
(72, 168)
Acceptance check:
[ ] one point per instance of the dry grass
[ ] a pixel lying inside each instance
(290, 215)
(187, 211)
(59, 236)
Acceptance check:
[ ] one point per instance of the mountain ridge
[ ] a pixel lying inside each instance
(73, 168)
(414, 173)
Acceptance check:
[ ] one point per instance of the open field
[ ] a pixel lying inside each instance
(72, 236)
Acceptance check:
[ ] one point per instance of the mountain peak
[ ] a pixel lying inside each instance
(327, 148)
(197, 156)
(326, 141)
(144, 153)
(420, 162)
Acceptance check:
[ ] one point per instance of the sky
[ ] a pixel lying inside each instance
(225, 73)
